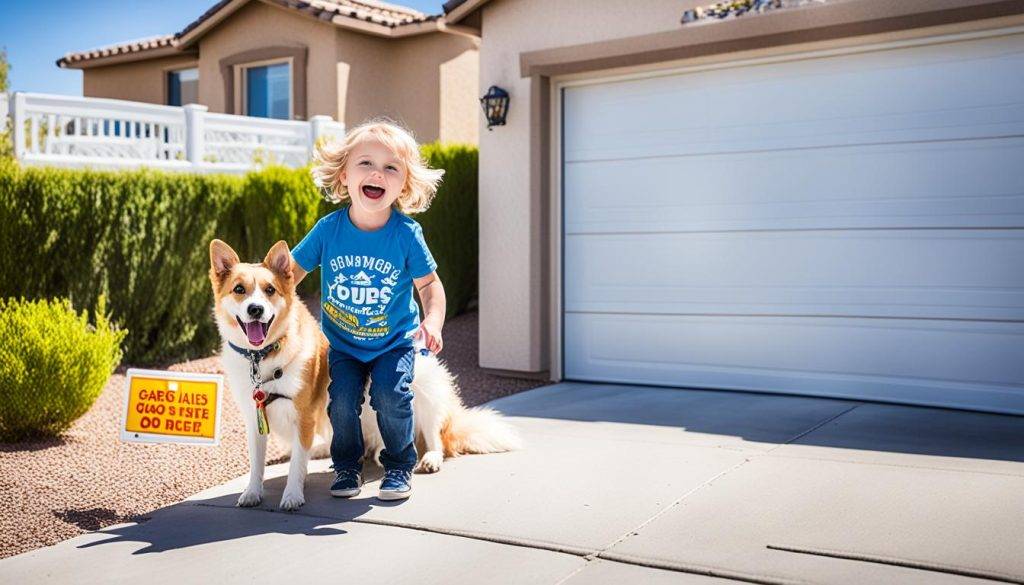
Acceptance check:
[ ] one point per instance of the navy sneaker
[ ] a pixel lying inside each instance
(347, 483)
(395, 485)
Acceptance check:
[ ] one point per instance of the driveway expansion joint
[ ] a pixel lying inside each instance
(635, 531)
(901, 562)
(470, 534)
(815, 427)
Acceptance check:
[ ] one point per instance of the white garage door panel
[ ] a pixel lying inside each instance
(939, 274)
(848, 225)
(958, 184)
(949, 91)
(952, 363)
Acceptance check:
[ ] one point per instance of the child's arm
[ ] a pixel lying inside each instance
(432, 298)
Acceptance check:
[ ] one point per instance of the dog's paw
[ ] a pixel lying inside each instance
(431, 462)
(250, 498)
(292, 500)
(376, 456)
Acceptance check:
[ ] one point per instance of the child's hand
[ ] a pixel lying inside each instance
(431, 335)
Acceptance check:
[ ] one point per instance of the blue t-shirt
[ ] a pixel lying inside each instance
(366, 281)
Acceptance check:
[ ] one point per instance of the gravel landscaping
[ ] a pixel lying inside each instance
(87, 479)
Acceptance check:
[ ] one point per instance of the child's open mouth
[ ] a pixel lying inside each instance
(373, 192)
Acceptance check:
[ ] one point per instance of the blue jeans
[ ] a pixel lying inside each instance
(390, 397)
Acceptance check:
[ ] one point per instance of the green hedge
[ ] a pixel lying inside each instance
(141, 238)
(54, 366)
(450, 225)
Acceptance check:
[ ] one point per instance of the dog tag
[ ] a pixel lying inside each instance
(262, 424)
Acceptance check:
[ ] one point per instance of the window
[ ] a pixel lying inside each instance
(284, 99)
(183, 87)
(268, 91)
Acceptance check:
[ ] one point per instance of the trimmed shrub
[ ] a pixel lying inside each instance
(141, 239)
(277, 203)
(54, 365)
(451, 225)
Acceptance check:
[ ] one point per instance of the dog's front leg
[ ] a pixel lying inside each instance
(253, 494)
(434, 456)
(293, 495)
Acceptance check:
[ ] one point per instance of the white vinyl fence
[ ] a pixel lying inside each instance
(103, 133)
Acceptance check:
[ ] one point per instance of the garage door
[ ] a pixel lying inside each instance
(845, 225)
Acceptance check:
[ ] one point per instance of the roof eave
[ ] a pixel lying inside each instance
(219, 14)
(463, 10)
(343, 20)
(417, 28)
(144, 55)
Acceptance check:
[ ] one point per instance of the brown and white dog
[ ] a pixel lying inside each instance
(256, 310)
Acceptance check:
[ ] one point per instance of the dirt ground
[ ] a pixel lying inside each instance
(87, 479)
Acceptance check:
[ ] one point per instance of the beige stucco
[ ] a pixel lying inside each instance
(434, 85)
(139, 81)
(458, 81)
(514, 328)
(427, 81)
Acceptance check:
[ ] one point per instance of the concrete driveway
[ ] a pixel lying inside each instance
(622, 484)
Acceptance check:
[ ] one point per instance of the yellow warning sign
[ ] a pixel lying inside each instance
(172, 407)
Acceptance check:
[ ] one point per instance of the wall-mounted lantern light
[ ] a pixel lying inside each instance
(495, 105)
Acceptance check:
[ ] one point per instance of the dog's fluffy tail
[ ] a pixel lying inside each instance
(478, 430)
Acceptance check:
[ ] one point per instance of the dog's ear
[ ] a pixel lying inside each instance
(279, 259)
(222, 258)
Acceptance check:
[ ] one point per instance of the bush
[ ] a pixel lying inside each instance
(277, 203)
(140, 238)
(53, 365)
(451, 225)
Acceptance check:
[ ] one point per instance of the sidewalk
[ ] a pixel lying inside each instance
(621, 484)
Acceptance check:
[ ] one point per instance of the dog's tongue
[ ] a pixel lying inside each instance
(254, 331)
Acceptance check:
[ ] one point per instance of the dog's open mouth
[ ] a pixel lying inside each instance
(255, 331)
(373, 192)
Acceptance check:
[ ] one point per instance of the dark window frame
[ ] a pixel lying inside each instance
(298, 56)
(168, 73)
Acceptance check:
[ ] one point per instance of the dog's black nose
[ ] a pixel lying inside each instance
(255, 311)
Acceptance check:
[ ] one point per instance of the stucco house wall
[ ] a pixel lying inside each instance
(434, 79)
(513, 304)
(362, 89)
(139, 81)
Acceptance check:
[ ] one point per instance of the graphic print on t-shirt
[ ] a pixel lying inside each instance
(358, 292)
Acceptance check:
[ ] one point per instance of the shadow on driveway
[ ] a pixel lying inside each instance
(776, 418)
(217, 519)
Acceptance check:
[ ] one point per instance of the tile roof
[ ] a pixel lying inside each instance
(737, 8)
(135, 46)
(396, 14)
(381, 13)
(390, 15)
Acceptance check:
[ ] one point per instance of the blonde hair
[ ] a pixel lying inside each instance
(420, 183)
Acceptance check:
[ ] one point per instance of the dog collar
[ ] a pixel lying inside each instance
(256, 355)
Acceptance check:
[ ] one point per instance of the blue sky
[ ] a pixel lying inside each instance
(38, 32)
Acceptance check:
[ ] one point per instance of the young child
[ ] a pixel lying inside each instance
(370, 255)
